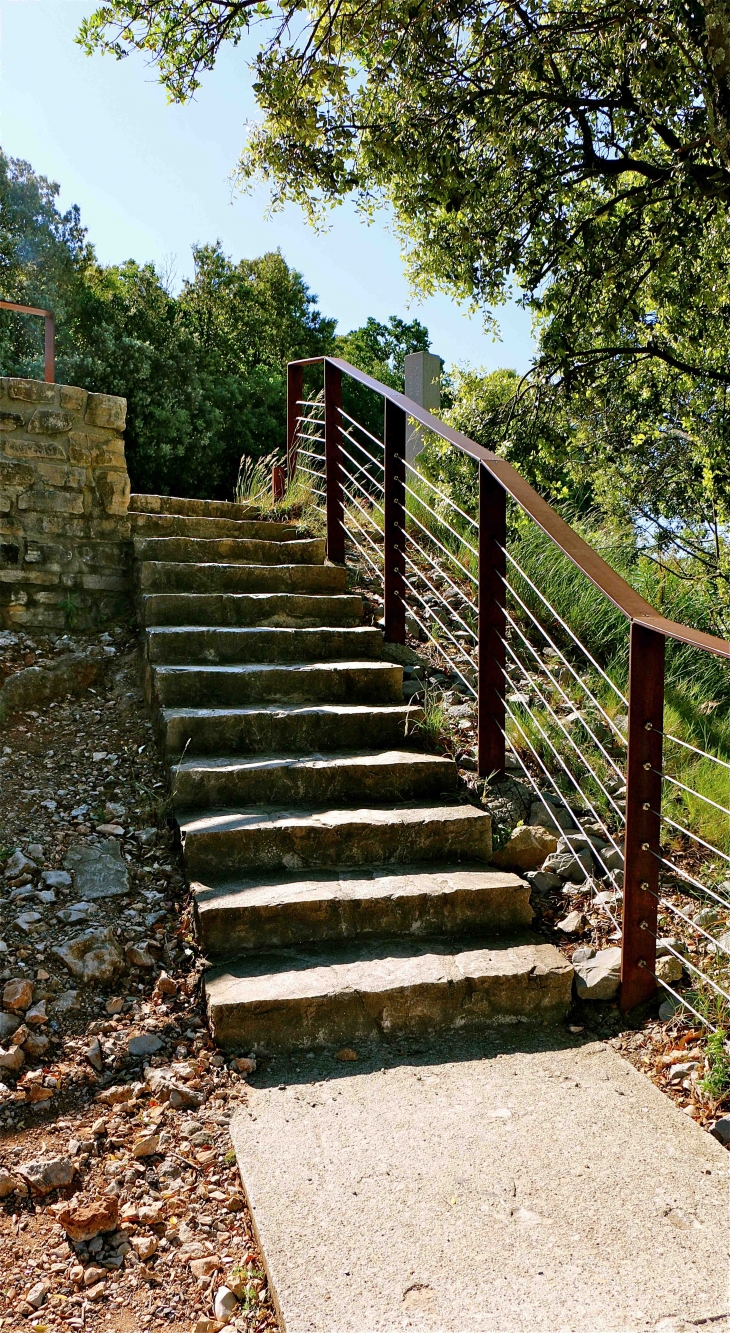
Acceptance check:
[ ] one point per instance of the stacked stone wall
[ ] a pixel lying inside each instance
(65, 549)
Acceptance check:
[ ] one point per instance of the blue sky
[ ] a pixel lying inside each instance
(152, 179)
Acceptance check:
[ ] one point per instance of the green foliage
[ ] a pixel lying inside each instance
(70, 605)
(578, 149)
(204, 372)
(380, 350)
(716, 1084)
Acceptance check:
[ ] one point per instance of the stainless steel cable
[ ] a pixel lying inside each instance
(676, 783)
(680, 873)
(456, 643)
(566, 697)
(556, 789)
(359, 484)
(694, 836)
(704, 754)
(442, 522)
(444, 655)
(446, 552)
(576, 675)
(441, 598)
(380, 484)
(570, 775)
(442, 495)
(467, 600)
(564, 625)
(364, 430)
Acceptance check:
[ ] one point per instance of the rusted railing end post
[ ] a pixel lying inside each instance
(643, 817)
(492, 601)
(394, 556)
(333, 463)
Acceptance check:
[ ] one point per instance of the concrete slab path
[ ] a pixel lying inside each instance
(484, 1186)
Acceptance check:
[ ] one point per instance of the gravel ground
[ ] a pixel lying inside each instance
(108, 1076)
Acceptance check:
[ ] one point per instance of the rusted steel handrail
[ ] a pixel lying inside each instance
(648, 629)
(618, 591)
(50, 333)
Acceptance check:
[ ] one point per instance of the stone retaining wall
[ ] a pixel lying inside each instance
(65, 550)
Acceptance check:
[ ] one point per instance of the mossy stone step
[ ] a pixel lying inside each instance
(222, 645)
(230, 550)
(303, 682)
(295, 610)
(339, 995)
(225, 842)
(312, 780)
(293, 727)
(278, 911)
(220, 577)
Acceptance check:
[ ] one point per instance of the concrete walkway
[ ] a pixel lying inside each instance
(483, 1186)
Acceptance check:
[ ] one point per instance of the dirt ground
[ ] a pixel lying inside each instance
(83, 772)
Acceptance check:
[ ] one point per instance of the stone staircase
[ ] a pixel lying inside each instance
(342, 888)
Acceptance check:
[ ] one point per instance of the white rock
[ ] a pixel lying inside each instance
(18, 864)
(573, 923)
(225, 1303)
(56, 879)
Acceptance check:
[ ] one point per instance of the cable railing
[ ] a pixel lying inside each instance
(588, 736)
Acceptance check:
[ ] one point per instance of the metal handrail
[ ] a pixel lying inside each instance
(50, 334)
(618, 591)
(648, 629)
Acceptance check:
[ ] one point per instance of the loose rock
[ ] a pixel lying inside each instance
(84, 1221)
(526, 848)
(599, 978)
(100, 872)
(91, 956)
(50, 1173)
(18, 994)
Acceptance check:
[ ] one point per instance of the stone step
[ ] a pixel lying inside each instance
(342, 994)
(300, 682)
(277, 728)
(170, 577)
(312, 780)
(224, 645)
(175, 504)
(230, 550)
(295, 610)
(183, 525)
(225, 842)
(284, 910)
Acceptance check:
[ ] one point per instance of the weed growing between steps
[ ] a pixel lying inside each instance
(89, 1064)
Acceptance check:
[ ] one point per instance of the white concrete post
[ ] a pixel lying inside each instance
(423, 385)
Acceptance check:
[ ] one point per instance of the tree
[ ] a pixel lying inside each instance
(203, 372)
(380, 350)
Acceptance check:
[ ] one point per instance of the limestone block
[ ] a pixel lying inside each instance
(31, 391)
(113, 489)
(4, 505)
(44, 576)
(78, 448)
(57, 474)
(110, 454)
(104, 410)
(58, 502)
(46, 421)
(72, 398)
(15, 474)
(104, 582)
(10, 421)
(38, 448)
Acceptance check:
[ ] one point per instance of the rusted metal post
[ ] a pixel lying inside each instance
(333, 463)
(278, 483)
(395, 523)
(294, 380)
(643, 824)
(492, 599)
(50, 348)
